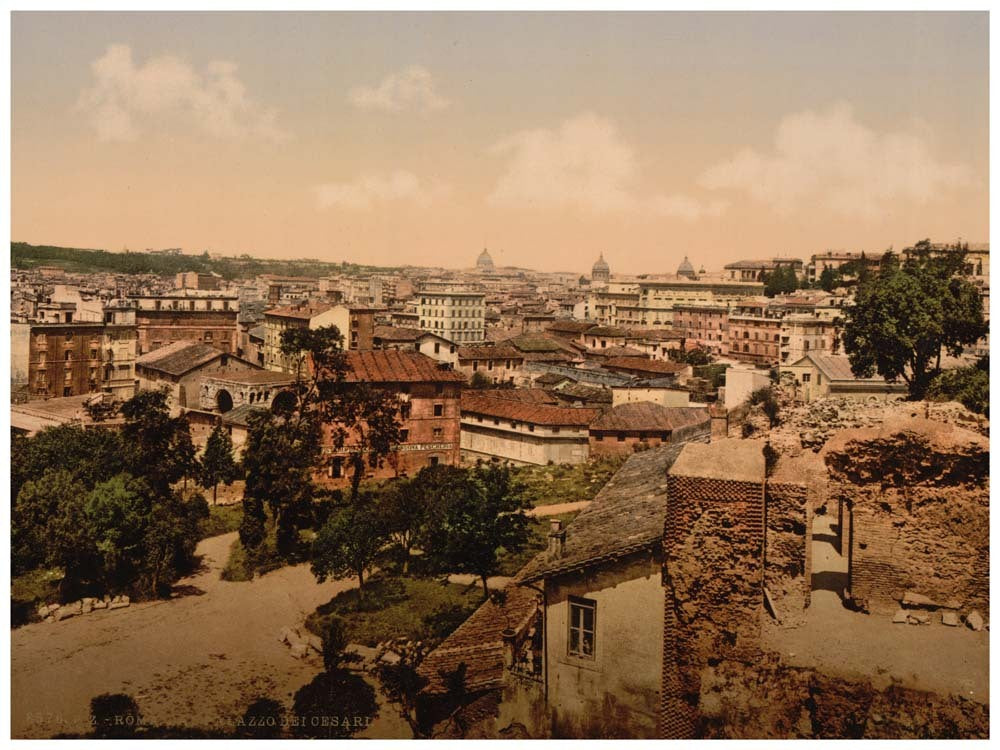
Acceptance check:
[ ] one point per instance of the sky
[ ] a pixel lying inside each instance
(420, 138)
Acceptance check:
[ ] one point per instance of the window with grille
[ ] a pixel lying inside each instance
(582, 627)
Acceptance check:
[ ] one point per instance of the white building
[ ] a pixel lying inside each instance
(457, 316)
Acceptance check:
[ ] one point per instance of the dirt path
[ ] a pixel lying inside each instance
(926, 657)
(197, 660)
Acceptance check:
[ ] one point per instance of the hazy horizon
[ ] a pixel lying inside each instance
(417, 139)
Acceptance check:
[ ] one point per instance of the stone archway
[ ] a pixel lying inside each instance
(223, 400)
(283, 401)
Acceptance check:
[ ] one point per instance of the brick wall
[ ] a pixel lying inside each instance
(713, 543)
(787, 558)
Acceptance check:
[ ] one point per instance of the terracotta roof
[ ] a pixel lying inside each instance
(478, 643)
(536, 343)
(521, 411)
(525, 395)
(397, 333)
(489, 351)
(391, 366)
(626, 516)
(636, 364)
(647, 416)
(240, 415)
(179, 357)
(606, 331)
(592, 393)
(618, 352)
(299, 312)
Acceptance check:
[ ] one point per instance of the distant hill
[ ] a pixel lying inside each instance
(79, 260)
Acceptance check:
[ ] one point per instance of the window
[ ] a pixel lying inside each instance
(806, 377)
(555, 430)
(598, 436)
(439, 389)
(437, 348)
(582, 621)
(438, 410)
(531, 428)
(404, 410)
(438, 432)
(433, 461)
(337, 468)
(621, 437)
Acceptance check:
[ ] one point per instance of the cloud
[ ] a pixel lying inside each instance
(583, 164)
(828, 158)
(370, 189)
(125, 98)
(409, 88)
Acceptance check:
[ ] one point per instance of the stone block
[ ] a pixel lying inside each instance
(899, 617)
(911, 599)
(919, 618)
(119, 604)
(315, 643)
(950, 619)
(299, 650)
(86, 608)
(100, 604)
(974, 620)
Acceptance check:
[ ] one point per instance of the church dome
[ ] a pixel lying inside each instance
(484, 262)
(685, 268)
(601, 264)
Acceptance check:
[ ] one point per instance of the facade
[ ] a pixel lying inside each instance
(195, 280)
(413, 339)
(186, 315)
(180, 368)
(804, 333)
(453, 315)
(429, 396)
(755, 331)
(757, 270)
(356, 324)
(499, 364)
(523, 432)
(817, 375)
(656, 300)
(72, 359)
(834, 259)
(632, 426)
(224, 389)
(705, 325)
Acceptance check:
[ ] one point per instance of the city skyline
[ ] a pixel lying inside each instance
(418, 139)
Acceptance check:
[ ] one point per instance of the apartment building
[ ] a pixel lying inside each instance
(458, 316)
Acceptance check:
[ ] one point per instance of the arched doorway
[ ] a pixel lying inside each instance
(284, 401)
(224, 401)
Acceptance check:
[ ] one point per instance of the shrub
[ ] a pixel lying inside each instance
(114, 715)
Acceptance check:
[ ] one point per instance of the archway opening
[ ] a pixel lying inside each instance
(224, 401)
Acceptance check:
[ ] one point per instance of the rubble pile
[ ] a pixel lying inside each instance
(765, 699)
(807, 427)
(86, 605)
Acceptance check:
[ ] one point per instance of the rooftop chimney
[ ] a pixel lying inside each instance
(557, 538)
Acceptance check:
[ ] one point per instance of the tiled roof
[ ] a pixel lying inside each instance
(626, 516)
(489, 351)
(617, 352)
(571, 326)
(536, 343)
(636, 364)
(240, 415)
(521, 411)
(179, 357)
(525, 395)
(592, 393)
(299, 312)
(551, 378)
(837, 367)
(397, 333)
(258, 332)
(391, 366)
(647, 416)
(606, 331)
(478, 643)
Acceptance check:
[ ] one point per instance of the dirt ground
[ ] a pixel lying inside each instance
(935, 657)
(197, 660)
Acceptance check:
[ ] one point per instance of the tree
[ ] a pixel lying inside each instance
(217, 464)
(335, 705)
(358, 416)
(829, 279)
(118, 514)
(279, 458)
(402, 505)
(114, 716)
(49, 527)
(349, 543)
(782, 280)
(474, 515)
(479, 381)
(157, 446)
(904, 317)
(970, 386)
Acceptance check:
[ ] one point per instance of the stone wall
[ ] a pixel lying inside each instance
(787, 558)
(917, 499)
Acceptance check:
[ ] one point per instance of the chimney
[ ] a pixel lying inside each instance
(557, 539)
